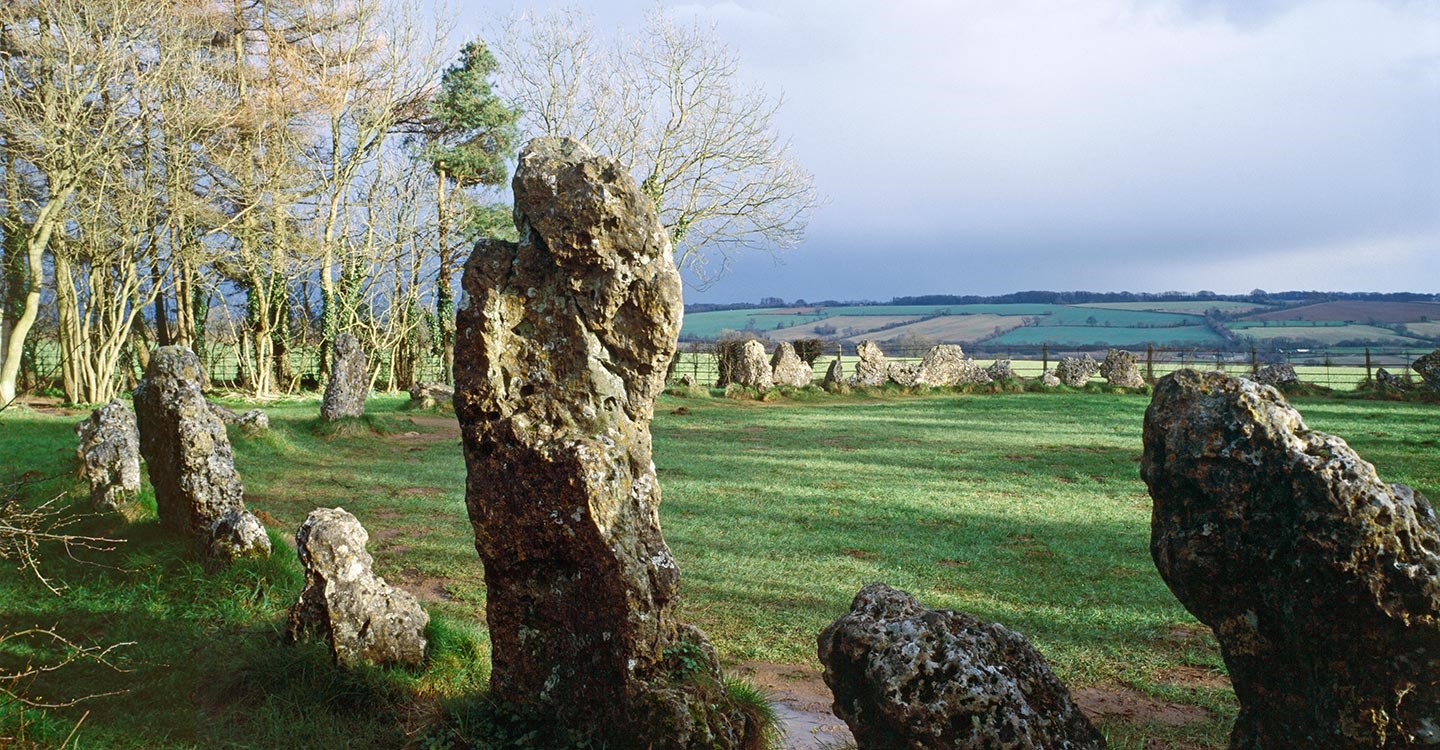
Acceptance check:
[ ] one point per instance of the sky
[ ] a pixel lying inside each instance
(985, 147)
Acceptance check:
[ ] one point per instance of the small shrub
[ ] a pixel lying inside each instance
(763, 728)
(809, 349)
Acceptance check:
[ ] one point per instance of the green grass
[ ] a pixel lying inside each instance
(1196, 307)
(1326, 333)
(1086, 335)
(1025, 509)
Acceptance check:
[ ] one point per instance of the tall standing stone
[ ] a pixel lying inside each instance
(191, 465)
(947, 365)
(834, 381)
(1428, 368)
(563, 342)
(109, 452)
(750, 367)
(1076, 371)
(788, 369)
(872, 368)
(1321, 582)
(349, 380)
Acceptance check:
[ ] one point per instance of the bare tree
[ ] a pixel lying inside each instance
(668, 101)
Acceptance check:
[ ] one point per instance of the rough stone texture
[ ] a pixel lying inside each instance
(1428, 368)
(430, 395)
(872, 368)
(1076, 371)
(109, 452)
(1278, 374)
(787, 368)
(906, 374)
(910, 678)
(748, 366)
(1120, 368)
(1048, 378)
(364, 619)
(999, 370)
(946, 365)
(563, 343)
(349, 380)
(254, 419)
(1321, 582)
(1390, 382)
(192, 468)
(834, 381)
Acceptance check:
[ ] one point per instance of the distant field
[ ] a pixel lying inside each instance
(1327, 335)
(1197, 307)
(707, 325)
(1424, 330)
(1091, 316)
(1357, 311)
(854, 324)
(959, 329)
(1085, 336)
(1019, 309)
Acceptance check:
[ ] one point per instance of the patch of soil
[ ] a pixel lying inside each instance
(802, 702)
(1192, 676)
(49, 405)
(266, 518)
(428, 589)
(420, 491)
(1134, 707)
(682, 411)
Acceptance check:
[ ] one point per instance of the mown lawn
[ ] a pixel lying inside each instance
(1021, 508)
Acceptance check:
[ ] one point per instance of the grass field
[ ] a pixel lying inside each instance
(1084, 336)
(1327, 334)
(1430, 330)
(1357, 311)
(960, 329)
(1196, 307)
(1021, 508)
(840, 324)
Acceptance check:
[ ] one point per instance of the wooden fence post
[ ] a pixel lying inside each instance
(1044, 357)
(1150, 362)
(1369, 376)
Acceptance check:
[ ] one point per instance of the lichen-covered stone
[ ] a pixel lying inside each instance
(1428, 368)
(910, 678)
(1049, 379)
(746, 364)
(905, 374)
(787, 368)
(999, 370)
(1277, 374)
(947, 365)
(834, 381)
(431, 395)
(349, 382)
(687, 380)
(1389, 382)
(191, 465)
(1121, 368)
(1076, 371)
(563, 344)
(872, 369)
(363, 619)
(254, 419)
(109, 453)
(1321, 582)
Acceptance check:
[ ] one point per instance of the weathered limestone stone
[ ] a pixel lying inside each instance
(430, 395)
(906, 374)
(254, 419)
(1049, 379)
(1120, 368)
(563, 342)
(192, 468)
(1076, 371)
(349, 380)
(1278, 374)
(687, 380)
(834, 381)
(872, 369)
(1389, 382)
(1321, 582)
(946, 365)
(906, 677)
(109, 454)
(1428, 368)
(364, 619)
(788, 369)
(999, 370)
(746, 364)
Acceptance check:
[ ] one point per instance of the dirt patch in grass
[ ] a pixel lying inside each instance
(802, 701)
(428, 589)
(1192, 676)
(1133, 707)
(421, 491)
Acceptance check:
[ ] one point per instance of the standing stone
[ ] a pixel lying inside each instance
(430, 395)
(1121, 368)
(349, 380)
(947, 365)
(1389, 382)
(192, 468)
(364, 619)
(254, 419)
(687, 380)
(1277, 375)
(788, 369)
(1076, 371)
(872, 369)
(834, 381)
(1428, 368)
(1048, 378)
(563, 342)
(906, 677)
(1321, 582)
(999, 370)
(751, 367)
(905, 374)
(109, 454)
